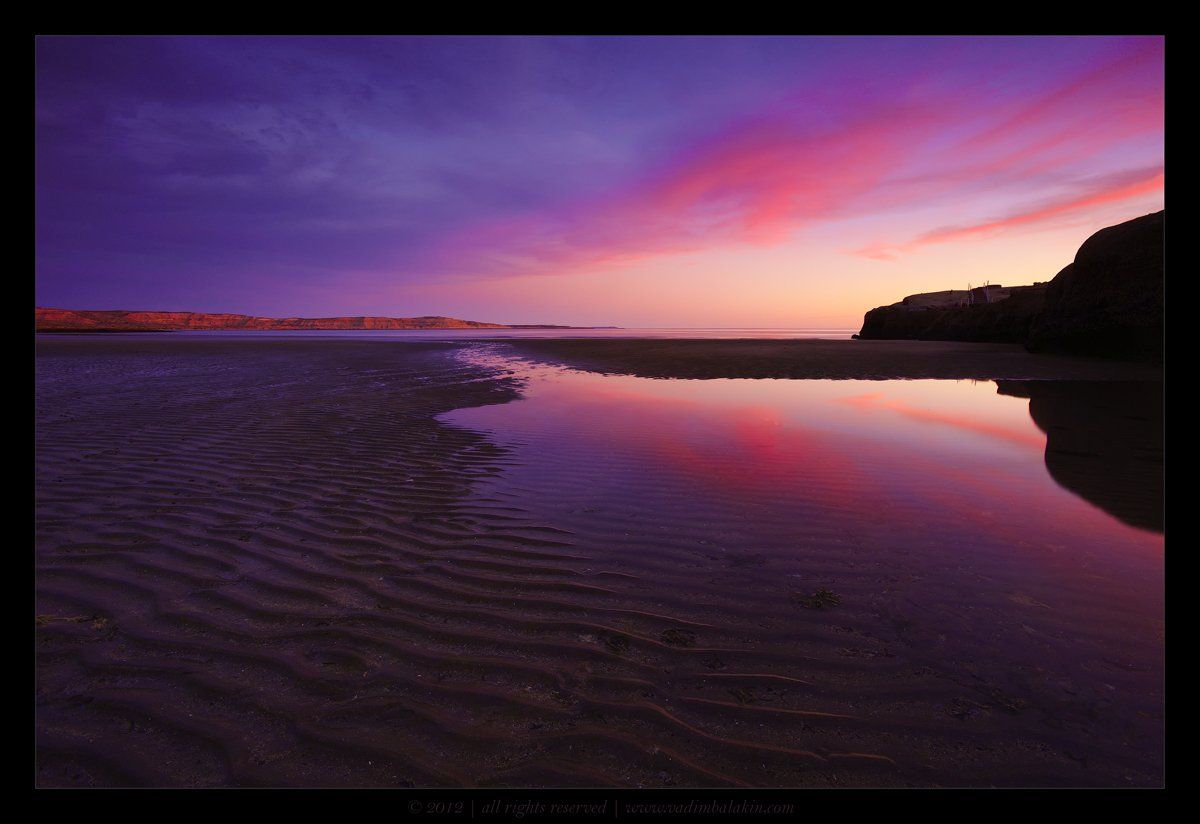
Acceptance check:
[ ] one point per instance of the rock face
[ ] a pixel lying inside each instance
(83, 320)
(1006, 321)
(1108, 302)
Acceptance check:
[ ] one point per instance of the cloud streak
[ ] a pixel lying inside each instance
(754, 183)
(347, 175)
(1125, 186)
(772, 175)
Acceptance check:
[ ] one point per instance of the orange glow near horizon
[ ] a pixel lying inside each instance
(639, 182)
(816, 281)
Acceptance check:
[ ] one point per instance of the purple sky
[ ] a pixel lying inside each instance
(630, 181)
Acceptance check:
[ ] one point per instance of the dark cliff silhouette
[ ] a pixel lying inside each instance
(1005, 321)
(1108, 302)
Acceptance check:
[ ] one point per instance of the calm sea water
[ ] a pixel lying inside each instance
(493, 334)
(967, 458)
(1005, 537)
(679, 582)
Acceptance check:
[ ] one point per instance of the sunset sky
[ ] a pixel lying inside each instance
(763, 182)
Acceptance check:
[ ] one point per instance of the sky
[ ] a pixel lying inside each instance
(629, 181)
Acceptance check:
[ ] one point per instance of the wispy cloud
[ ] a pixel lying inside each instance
(255, 173)
(1086, 195)
(754, 183)
(763, 179)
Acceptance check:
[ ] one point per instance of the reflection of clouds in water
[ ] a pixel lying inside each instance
(876, 400)
(925, 506)
(908, 453)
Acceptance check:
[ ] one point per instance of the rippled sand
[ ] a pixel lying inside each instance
(279, 564)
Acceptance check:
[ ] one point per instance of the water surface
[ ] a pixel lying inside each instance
(828, 333)
(926, 508)
(320, 562)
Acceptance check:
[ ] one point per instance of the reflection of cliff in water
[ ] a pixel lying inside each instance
(1104, 442)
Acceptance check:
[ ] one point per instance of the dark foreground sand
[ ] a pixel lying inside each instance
(261, 564)
(837, 359)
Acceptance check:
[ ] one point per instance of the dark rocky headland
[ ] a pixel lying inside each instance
(1108, 302)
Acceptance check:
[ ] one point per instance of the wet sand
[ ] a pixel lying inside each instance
(270, 563)
(833, 359)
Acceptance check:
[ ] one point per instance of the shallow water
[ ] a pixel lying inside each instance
(931, 509)
(849, 447)
(343, 563)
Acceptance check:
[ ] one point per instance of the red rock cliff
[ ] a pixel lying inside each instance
(82, 320)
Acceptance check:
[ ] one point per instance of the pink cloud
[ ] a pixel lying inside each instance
(1121, 97)
(761, 180)
(1113, 189)
(753, 184)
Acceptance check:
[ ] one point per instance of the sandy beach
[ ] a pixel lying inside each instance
(826, 359)
(269, 563)
(599, 425)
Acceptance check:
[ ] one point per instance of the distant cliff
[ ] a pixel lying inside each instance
(83, 320)
(921, 317)
(1108, 302)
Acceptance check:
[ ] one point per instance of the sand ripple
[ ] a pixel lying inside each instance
(268, 565)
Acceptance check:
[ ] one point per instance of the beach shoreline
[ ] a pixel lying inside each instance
(276, 563)
(822, 359)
